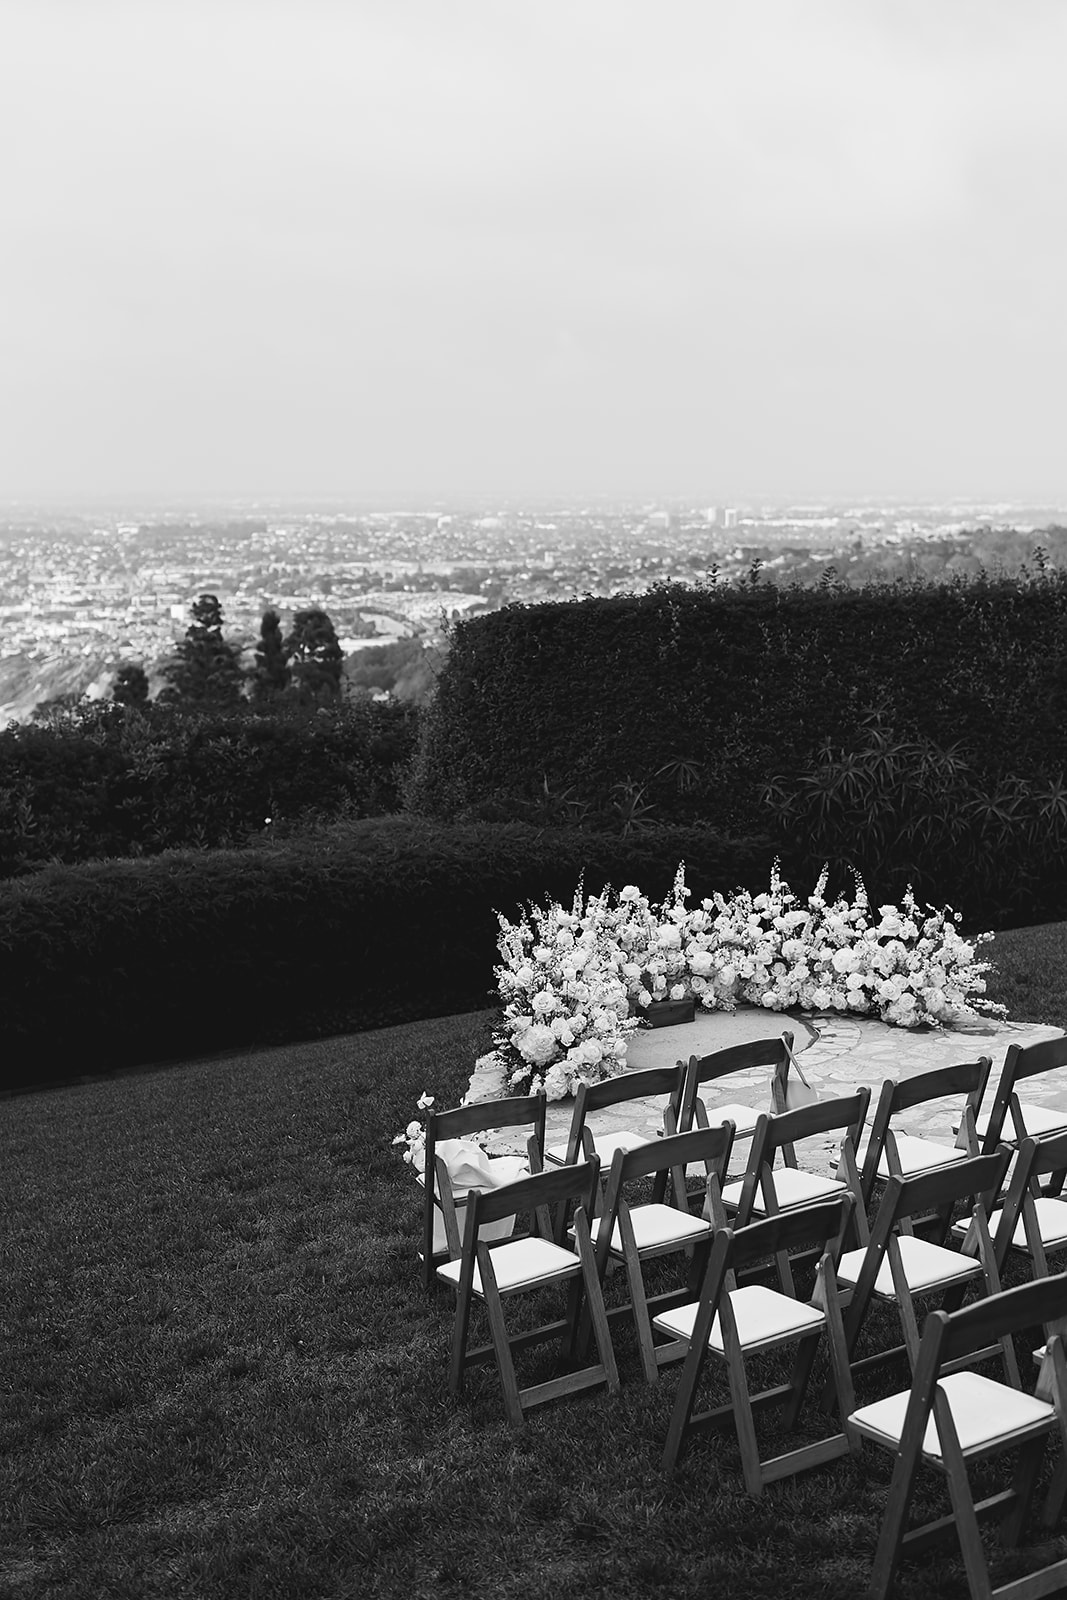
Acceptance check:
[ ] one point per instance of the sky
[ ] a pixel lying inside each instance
(699, 249)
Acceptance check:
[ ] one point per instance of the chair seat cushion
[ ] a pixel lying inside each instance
(1051, 1224)
(519, 1264)
(744, 1118)
(919, 1155)
(1039, 1122)
(655, 1226)
(985, 1413)
(763, 1316)
(925, 1266)
(605, 1145)
(792, 1188)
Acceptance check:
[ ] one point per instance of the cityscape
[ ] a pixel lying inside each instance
(83, 592)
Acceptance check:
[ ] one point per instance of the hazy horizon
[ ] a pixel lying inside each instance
(316, 251)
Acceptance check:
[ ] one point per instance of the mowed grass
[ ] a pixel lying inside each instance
(220, 1375)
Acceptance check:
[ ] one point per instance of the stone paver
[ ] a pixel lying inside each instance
(845, 1053)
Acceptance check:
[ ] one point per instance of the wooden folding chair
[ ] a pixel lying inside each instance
(632, 1234)
(775, 1053)
(735, 1323)
(767, 1189)
(1036, 1122)
(898, 1267)
(952, 1416)
(891, 1152)
(492, 1272)
(484, 1116)
(582, 1142)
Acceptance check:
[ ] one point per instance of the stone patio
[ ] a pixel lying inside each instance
(838, 1054)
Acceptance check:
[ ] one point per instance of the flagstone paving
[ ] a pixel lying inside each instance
(838, 1054)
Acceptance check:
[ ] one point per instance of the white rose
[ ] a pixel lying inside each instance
(678, 991)
(630, 893)
(669, 936)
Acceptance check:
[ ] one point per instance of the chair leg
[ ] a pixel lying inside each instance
(594, 1304)
(459, 1337)
(959, 1489)
(508, 1381)
(1023, 1486)
(887, 1555)
(642, 1321)
(746, 1428)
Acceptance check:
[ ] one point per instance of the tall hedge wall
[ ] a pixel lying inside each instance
(745, 681)
(115, 963)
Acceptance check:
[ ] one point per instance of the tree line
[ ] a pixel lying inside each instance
(303, 665)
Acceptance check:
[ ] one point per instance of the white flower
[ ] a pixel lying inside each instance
(537, 1044)
(669, 936)
(424, 1102)
(678, 991)
(630, 894)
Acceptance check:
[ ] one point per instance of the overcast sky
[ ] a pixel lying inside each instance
(673, 248)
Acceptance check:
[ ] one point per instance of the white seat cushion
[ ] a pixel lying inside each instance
(655, 1225)
(605, 1145)
(744, 1118)
(520, 1263)
(1039, 1122)
(983, 1411)
(763, 1316)
(792, 1188)
(925, 1266)
(1051, 1224)
(919, 1155)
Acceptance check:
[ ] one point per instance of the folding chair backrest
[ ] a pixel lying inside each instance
(673, 1154)
(1021, 1061)
(1036, 1158)
(483, 1116)
(825, 1224)
(968, 1080)
(960, 1333)
(771, 1052)
(536, 1194)
(979, 1176)
(785, 1129)
(644, 1085)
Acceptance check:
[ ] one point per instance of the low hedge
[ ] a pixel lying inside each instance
(365, 924)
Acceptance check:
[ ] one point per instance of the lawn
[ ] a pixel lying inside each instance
(221, 1377)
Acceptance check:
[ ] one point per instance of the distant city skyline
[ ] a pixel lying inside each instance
(305, 250)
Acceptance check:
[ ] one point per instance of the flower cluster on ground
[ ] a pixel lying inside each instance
(573, 984)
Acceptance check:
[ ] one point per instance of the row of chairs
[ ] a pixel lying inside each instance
(717, 1315)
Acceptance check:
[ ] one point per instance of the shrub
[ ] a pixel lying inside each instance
(353, 926)
(107, 780)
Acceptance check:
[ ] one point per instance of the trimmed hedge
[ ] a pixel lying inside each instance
(117, 963)
(573, 698)
(114, 780)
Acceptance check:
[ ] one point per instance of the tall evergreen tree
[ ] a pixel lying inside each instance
(316, 656)
(272, 674)
(206, 669)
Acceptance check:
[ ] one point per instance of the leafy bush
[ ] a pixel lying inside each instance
(738, 684)
(351, 926)
(909, 812)
(118, 780)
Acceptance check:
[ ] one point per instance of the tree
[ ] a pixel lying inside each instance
(272, 673)
(206, 669)
(316, 656)
(130, 687)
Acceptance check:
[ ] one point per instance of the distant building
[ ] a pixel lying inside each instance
(729, 517)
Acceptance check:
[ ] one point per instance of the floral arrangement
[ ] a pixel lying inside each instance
(573, 983)
(413, 1138)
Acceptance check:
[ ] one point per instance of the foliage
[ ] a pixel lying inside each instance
(130, 687)
(600, 700)
(315, 657)
(403, 667)
(206, 669)
(113, 780)
(343, 927)
(920, 813)
(271, 674)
